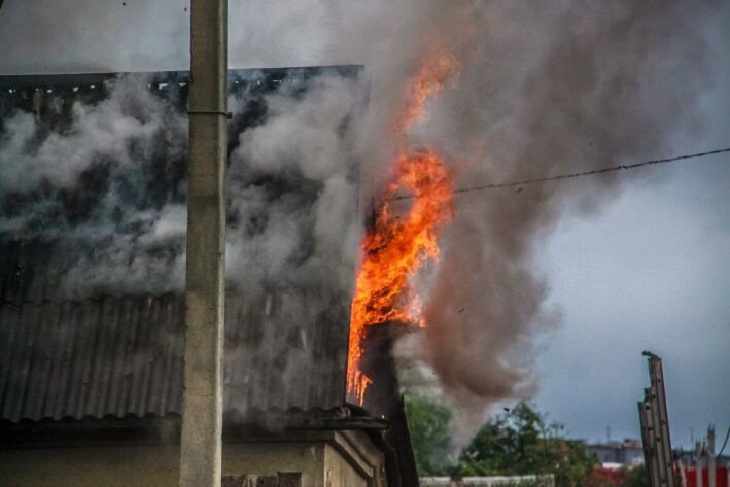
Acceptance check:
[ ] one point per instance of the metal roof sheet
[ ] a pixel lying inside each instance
(122, 356)
(108, 357)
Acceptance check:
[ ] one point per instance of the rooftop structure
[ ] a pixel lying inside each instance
(627, 452)
(98, 360)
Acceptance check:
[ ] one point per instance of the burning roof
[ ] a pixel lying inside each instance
(91, 313)
(114, 348)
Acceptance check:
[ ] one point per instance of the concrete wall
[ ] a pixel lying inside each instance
(90, 467)
(336, 461)
(352, 461)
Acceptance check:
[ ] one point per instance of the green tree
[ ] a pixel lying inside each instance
(637, 476)
(508, 445)
(519, 442)
(430, 435)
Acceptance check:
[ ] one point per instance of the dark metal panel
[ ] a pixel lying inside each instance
(13, 371)
(154, 381)
(134, 359)
(169, 331)
(40, 360)
(121, 356)
(161, 378)
(100, 361)
(82, 337)
(133, 316)
(87, 397)
(8, 336)
(80, 334)
(143, 356)
(176, 374)
(22, 383)
(116, 371)
(60, 364)
(63, 396)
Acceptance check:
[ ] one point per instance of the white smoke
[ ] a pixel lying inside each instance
(111, 184)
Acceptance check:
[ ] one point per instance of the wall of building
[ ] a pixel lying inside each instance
(90, 467)
(352, 461)
(322, 464)
(627, 453)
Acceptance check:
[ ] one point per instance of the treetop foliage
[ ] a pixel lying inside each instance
(518, 442)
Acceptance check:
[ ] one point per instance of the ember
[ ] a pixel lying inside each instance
(397, 246)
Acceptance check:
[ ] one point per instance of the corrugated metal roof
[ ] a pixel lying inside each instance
(108, 357)
(121, 356)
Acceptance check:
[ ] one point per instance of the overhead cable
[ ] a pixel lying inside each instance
(580, 174)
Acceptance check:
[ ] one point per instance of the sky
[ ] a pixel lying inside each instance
(649, 270)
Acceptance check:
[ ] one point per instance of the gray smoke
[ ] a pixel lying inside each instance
(544, 88)
(87, 185)
(109, 188)
(307, 139)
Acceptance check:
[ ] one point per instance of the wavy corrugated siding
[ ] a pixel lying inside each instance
(111, 357)
(121, 356)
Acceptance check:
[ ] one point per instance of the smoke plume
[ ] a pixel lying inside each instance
(544, 89)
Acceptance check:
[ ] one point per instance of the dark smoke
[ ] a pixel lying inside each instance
(544, 90)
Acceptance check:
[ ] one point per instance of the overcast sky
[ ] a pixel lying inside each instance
(650, 270)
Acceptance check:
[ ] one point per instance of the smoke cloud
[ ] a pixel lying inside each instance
(544, 88)
(586, 86)
(106, 184)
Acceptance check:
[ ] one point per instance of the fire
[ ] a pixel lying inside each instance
(398, 246)
(427, 83)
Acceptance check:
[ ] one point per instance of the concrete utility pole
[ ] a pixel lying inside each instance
(200, 448)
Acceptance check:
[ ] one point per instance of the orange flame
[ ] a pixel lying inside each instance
(427, 83)
(397, 247)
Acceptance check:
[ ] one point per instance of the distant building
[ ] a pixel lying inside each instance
(618, 454)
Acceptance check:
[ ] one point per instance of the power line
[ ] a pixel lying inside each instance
(592, 172)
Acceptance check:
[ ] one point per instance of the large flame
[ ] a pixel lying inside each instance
(397, 246)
